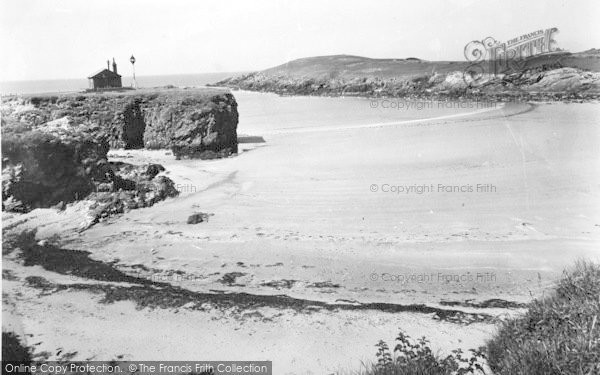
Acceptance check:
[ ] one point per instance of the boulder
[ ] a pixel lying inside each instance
(199, 217)
(565, 80)
(153, 169)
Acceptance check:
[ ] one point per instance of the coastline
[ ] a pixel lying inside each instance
(295, 234)
(504, 97)
(570, 78)
(349, 188)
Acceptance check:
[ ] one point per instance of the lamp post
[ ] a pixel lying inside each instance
(132, 60)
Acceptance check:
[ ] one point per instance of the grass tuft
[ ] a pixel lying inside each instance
(559, 334)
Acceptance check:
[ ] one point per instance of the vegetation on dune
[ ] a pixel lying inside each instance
(415, 357)
(13, 350)
(559, 334)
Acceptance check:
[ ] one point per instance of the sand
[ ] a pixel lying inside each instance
(326, 213)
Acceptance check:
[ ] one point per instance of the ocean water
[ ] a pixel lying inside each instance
(71, 85)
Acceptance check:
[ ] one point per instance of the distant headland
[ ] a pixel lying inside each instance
(557, 76)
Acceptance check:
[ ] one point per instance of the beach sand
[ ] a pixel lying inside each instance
(310, 214)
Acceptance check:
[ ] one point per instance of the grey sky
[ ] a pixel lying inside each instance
(46, 39)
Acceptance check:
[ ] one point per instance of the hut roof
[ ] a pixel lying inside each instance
(104, 73)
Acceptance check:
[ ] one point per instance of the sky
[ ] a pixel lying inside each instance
(56, 39)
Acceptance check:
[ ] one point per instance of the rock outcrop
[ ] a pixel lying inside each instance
(130, 187)
(194, 122)
(192, 126)
(54, 148)
(47, 165)
(62, 162)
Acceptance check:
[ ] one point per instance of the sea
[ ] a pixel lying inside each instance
(80, 84)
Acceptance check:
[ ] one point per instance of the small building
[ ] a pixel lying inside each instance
(106, 79)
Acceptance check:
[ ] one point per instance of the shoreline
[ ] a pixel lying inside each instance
(296, 225)
(540, 81)
(511, 97)
(548, 97)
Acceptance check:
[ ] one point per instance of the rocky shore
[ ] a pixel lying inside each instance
(570, 78)
(54, 148)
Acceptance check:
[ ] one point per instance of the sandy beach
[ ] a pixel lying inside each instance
(343, 226)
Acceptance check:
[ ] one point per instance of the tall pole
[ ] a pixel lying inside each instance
(132, 60)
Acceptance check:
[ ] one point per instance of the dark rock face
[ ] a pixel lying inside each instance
(193, 126)
(58, 163)
(42, 167)
(133, 126)
(191, 121)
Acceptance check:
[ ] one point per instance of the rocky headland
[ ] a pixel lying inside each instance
(557, 77)
(54, 147)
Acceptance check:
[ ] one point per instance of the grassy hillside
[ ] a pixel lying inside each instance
(349, 67)
(558, 76)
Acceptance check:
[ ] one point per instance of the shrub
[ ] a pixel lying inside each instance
(559, 334)
(13, 350)
(412, 357)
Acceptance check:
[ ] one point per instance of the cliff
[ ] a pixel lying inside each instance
(197, 121)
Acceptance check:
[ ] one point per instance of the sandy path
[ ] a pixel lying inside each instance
(297, 216)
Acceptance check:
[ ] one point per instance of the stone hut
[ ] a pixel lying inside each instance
(105, 79)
